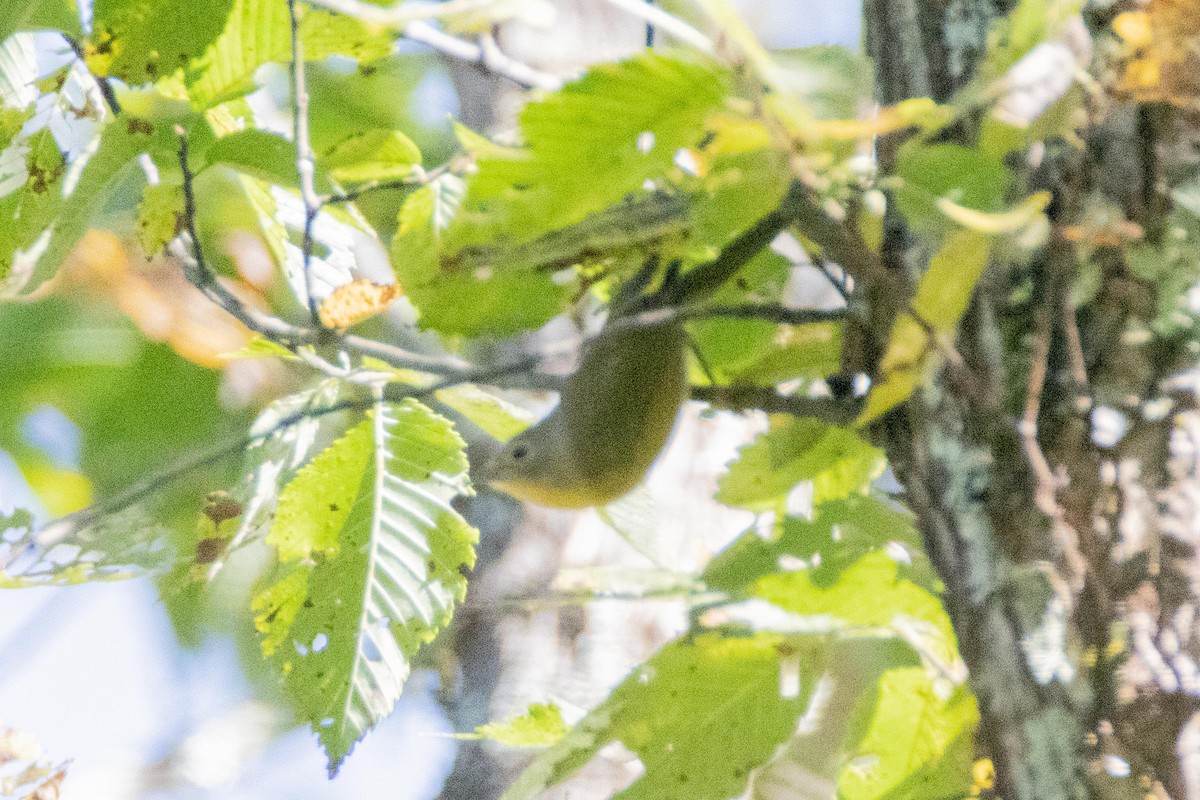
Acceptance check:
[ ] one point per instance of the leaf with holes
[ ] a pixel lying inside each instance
(702, 715)
(589, 146)
(835, 459)
(375, 554)
(140, 41)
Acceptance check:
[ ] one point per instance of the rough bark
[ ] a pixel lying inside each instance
(1069, 573)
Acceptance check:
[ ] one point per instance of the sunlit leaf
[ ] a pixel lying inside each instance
(160, 216)
(36, 15)
(541, 726)
(264, 155)
(838, 535)
(500, 303)
(491, 413)
(835, 459)
(140, 41)
(968, 178)
(588, 146)
(259, 32)
(931, 759)
(372, 156)
(369, 526)
(942, 298)
(701, 715)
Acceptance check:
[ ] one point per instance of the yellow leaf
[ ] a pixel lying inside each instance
(355, 301)
(1162, 48)
(1014, 219)
(1134, 28)
(942, 297)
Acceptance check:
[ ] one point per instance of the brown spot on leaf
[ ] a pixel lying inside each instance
(136, 126)
(219, 506)
(208, 549)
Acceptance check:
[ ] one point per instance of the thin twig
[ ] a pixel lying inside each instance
(60, 528)
(381, 186)
(106, 89)
(496, 62)
(305, 163)
(1075, 354)
(412, 20)
(742, 398)
(704, 280)
(1046, 496)
(768, 312)
(838, 284)
(671, 25)
(1047, 483)
(201, 276)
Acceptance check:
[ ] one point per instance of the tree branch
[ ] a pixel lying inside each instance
(766, 398)
(291, 336)
(768, 312)
(411, 19)
(671, 25)
(305, 162)
(62, 527)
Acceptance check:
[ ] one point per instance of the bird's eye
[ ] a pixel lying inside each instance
(520, 451)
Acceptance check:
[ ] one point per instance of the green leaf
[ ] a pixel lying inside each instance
(741, 189)
(869, 594)
(111, 169)
(267, 156)
(32, 175)
(491, 413)
(37, 15)
(273, 461)
(701, 715)
(259, 32)
(798, 351)
(966, 177)
(313, 508)
(588, 146)
(499, 303)
(541, 726)
(380, 554)
(159, 217)
(837, 461)
(262, 347)
(942, 298)
(919, 742)
(372, 156)
(148, 126)
(423, 220)
(387, 96)
(840, 533)
(141, 41)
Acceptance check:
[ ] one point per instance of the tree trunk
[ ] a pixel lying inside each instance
(1071, 592)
